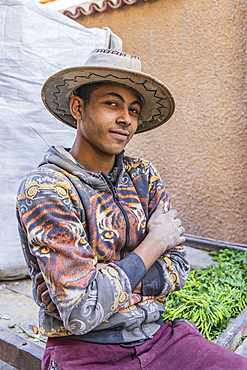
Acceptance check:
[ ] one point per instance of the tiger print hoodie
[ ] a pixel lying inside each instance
(69, 220)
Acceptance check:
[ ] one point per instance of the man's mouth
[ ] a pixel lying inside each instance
(120, 134)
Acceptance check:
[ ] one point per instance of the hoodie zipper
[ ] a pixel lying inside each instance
(116, 199)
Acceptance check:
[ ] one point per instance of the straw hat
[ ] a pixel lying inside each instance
(104, 65)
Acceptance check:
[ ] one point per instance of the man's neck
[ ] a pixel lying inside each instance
(97, 163)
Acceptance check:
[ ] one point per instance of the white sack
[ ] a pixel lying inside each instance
(35, 42)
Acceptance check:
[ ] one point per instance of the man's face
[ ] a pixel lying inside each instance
(110, 119)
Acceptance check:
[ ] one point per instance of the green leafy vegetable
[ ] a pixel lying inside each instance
(31, 335)
(213, 295)
(11, 326)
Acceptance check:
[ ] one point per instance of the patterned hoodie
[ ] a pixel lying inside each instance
(70, 219)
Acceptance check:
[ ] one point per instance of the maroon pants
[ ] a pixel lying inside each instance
(176, 346)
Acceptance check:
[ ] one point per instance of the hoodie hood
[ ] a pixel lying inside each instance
(59, 157)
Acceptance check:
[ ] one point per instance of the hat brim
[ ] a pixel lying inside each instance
(158, 102)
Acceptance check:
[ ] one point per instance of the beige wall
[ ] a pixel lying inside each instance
(198, 48)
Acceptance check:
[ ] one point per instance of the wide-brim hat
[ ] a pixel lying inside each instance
(104, 65)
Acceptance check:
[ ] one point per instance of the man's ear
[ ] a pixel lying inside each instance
(76, 107)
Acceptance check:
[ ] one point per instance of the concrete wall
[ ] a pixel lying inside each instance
(198, 48)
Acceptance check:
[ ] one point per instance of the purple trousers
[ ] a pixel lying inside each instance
(176, 346)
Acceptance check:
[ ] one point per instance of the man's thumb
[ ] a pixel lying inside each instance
(161, 207)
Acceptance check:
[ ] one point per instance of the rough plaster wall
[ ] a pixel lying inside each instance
(198, 48)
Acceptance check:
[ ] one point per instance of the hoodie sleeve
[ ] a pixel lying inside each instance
(170, 271)
(48, 211)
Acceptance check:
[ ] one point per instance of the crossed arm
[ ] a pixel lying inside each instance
(55, 241)
(164, 232)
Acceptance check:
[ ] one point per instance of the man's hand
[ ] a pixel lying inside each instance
(166, 227)
(138, 289)
(164, 233)
(43, 295)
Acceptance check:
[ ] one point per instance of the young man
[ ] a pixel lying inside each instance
(98, 226)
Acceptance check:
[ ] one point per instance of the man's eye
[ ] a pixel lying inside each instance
(111, 103)
(135, 111)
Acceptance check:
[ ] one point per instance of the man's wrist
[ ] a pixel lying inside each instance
(153, 282)
(150, 249)
(134, 268)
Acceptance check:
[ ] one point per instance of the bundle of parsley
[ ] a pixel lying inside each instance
(212, 296)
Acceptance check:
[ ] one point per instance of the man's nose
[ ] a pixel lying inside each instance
(124, 117)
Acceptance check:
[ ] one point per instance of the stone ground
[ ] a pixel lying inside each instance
(17, 305)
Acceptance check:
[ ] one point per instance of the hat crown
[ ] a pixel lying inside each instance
(113, 59)
(105, 65)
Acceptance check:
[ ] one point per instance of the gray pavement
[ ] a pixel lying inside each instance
(17, 306)
(198, 258)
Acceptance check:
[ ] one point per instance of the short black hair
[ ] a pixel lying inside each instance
(85, 91)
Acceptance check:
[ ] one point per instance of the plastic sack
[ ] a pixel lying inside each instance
(35, 42)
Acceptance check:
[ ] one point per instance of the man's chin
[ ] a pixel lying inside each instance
(115, 151)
